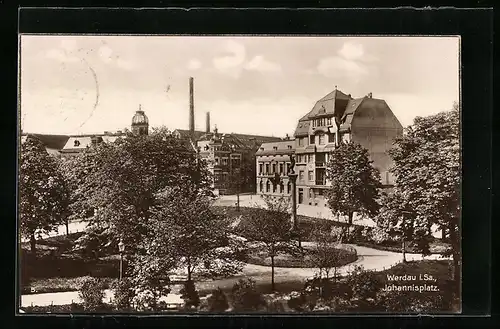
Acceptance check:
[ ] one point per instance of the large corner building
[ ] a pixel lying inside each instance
(335, 118)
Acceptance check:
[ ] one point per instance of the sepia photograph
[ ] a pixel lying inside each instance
(229, 174)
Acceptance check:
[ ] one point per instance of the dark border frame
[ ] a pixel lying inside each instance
(475, 28)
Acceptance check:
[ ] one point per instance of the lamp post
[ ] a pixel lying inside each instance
(292, 175)
(121, 248)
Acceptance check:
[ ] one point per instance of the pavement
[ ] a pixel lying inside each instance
(73, 227)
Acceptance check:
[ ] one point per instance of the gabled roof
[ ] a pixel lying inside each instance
(79, 143)
(55, 142)
(327, 105)
(283, 147)
(186, 134)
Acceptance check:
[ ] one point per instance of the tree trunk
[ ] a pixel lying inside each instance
(33, 243)
(351, 214)
(455, 244)
(189, 268)
(272, 273)
(403, 249)
(238, 200)
(67, 227)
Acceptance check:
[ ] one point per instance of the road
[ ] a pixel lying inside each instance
(76, 226)
(370, 259)
(254, 200)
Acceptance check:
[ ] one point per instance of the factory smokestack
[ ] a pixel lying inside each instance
(191, 107)
(207, 127)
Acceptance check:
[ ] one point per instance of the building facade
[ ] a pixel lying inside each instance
(273, 160)
(334, 119)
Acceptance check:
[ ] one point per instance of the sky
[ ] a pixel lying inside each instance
(256, 85)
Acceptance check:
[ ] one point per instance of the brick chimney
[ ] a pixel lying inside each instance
(207, 127)
(191, 107)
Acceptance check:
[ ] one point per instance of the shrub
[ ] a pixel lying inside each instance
(246, 297)
(379, 236)
(217, 302)
(275, 306)
(92, 294)
(364, 284)
(297, 301)
(123, 294)
(190, 295)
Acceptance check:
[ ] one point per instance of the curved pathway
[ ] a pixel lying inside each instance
(369, 258)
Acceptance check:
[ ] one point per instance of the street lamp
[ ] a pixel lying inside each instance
(292, 175)
(121, 248)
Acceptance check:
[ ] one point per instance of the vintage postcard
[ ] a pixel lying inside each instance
(239, 174)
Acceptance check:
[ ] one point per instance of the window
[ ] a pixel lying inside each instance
(315, 123)
(311, 175)
(331, 138)
(311, 139)
(281, 168)
(77, 143)
(268, 186)
(275, 148)
(289, 147)
(261, 186)
(260, 169)
(289, 187)
(274, 187)
(217, 161)
(224, 161)
(311, 193)
(267, 169)
(321, 139)
(320, 192)
(287, 168)
(274, 168)
(282, 188)
(310, 158)
(301, 175)
(300, 141)
(329, 121)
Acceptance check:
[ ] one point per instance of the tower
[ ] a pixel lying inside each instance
(140, 123)
(191, 107)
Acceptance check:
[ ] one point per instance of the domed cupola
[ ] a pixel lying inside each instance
(140, 123)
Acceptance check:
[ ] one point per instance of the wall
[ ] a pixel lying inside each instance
(375, 127)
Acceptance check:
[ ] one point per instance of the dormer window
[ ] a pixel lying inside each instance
(275, 148)
(289, 147)
(76, 143)
(262, 149)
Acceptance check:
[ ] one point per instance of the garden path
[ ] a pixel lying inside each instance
(369, 258)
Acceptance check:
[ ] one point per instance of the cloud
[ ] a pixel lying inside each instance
(194, 64)
(231, 64)
(335, 66)
(259, 63)
(350, 62)
(352, 51)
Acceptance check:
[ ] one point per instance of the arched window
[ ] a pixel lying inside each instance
(282, 188)
(261, 186)
(274, 187)
(289, 187)
(268, 186)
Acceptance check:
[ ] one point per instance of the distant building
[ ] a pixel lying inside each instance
(76, 144)
(335, 118)
(53, 143)
(274, 158)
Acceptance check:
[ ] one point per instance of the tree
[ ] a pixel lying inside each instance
(200, 239)
(355, 182)
(238, 178)
(273, 231)
(190, 295)
(217, 302)
(246, 298)
(120, 183)
(123, 294)
(42, 191)
(325, 255)
(427, 169)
